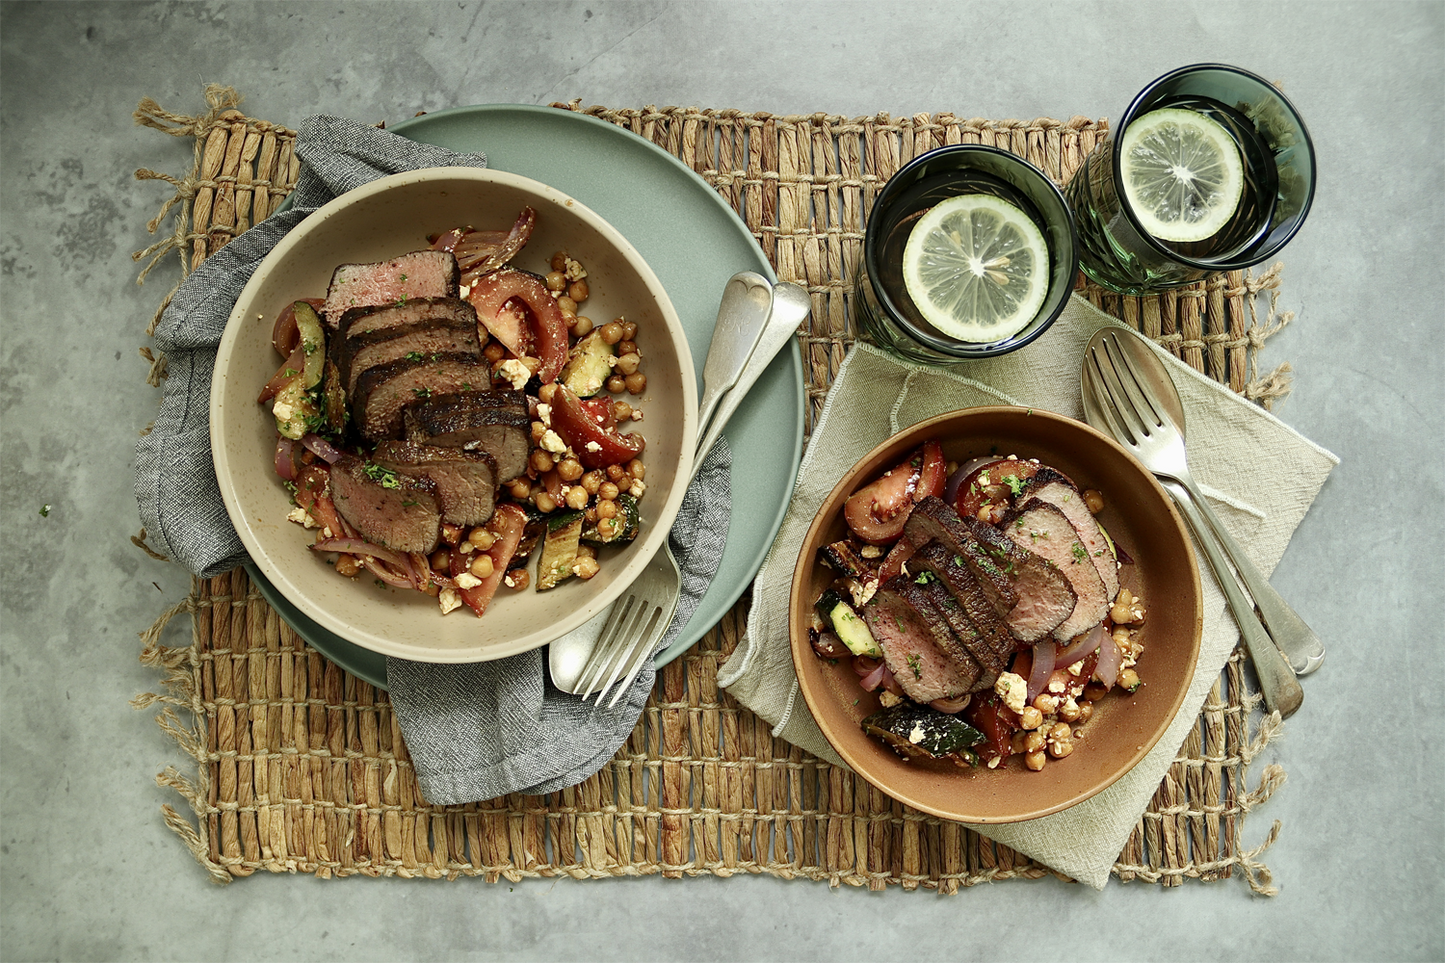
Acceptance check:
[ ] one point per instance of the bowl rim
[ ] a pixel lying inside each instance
(486, 649)
(802, 649)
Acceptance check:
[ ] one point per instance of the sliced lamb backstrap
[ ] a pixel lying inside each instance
(391, 510)
(910, 640)
(466, 481)
(418, 339)
(419, 274)
(495, 422)
(383, 391)
(990, 642)
(1054, 489)
(1046, 530)
(375, 317)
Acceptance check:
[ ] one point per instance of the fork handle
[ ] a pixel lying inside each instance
(1297, 640)
(1277, 680)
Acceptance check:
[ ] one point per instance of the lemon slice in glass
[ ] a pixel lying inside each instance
(1182, 172)
(977, 267)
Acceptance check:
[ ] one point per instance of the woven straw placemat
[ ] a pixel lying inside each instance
(301, 767)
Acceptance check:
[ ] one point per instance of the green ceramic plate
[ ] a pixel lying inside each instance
(694, 242)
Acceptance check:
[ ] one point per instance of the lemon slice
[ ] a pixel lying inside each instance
(977, 268)
(1182, 172)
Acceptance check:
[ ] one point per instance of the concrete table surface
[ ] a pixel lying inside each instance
(88, 870)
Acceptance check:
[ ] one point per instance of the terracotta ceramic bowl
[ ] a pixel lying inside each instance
(1141, 519)
(392, 216)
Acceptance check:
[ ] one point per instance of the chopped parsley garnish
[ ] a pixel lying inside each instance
(44, 511)
(384, 477)
(1079, 553)
(413, 356)
(916, 664)
(1015, 484)
(923, 578)
(422, 393)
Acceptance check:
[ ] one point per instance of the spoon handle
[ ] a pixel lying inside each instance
(1277, 680)
(1297, 640)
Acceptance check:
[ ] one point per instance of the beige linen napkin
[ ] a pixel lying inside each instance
(876, 395)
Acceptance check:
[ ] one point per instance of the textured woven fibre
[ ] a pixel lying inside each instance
(294, 765)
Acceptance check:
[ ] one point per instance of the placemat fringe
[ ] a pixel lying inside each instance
(301, 767)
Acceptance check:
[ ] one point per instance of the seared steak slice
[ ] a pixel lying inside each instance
(1063, 495)
(466, 481)
(495, 422)
(418, 339)
(910, 640)
(1031, 595)
(988, 639)
(968, 641)
(420, 274)
(1048, 532)
(384, 390)
(392, 510)
(377, 316)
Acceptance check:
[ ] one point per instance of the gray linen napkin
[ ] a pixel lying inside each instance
(875, 396)
(474, 731)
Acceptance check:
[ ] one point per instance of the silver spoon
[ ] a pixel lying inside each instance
(1299, 643)
(741, 316)
(783, 310)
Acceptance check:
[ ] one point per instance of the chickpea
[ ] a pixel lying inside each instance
(431, 588)
(1128, 680)
(1061, 741)
(518, 579)
(629, 329)
(1034, 740)
(636, 383)
(637, 469)
(1069, 711)
(559, 261)
(541, 460)
(577, 290)
(1031, 718)
(451, 534)
(1016, 742)
(547, 393)
(607, 527)
(606, 510)
(1094, 691)
(1035, 761)
(537, 431)
(569, 469)
(616, 384)
(581, 327)
(545, 503)
(576, 498)
(586, 551)
(608, 491)
(625, 346)
(348, 565)
(592, 481)
(482, 538)
(627, 364)
(1045, 703)
(1094, 500)
(585, 568)
(494, 352)
(616, 473)
(519, 488)
(621, 410)
(1086, 712)
(555, 281)
(533, 365)
(567, 306)
(482, 566)
(612, 332)
(440, 560)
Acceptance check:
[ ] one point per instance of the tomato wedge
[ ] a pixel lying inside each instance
(877, 512)
(500, 295)
(596, 446)
(933, 474)
(993, 484)
(507, 524)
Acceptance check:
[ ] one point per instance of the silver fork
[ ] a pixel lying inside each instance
(1118, 400)
(639, 617)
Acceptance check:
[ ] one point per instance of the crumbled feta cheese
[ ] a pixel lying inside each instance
(636, 414)
(916, 736)
(301, 517)
(553, 442)
(1012, 689)
(544, 412)
(871, 551)
(448, 599)
(514, 372)
(466, 580)
(638, 487)
(593, 446)
(574, 271)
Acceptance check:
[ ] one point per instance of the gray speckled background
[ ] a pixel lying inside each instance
(88, 871)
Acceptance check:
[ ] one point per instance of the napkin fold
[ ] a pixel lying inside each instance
(474, 731)
(876, 395)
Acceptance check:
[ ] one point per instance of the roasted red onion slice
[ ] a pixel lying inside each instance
(360, 546)
(950, 487)
(1078, 650)
(1044, 654)
(387, 575)
(1107, 669)
(950, 706)
(321, 448)
(286, 458)
(871, 672)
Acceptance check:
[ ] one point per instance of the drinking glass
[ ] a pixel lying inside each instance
(1279, 184)
(882, 306)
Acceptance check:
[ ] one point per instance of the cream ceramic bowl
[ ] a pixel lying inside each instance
(1138, 515)
(392, 216)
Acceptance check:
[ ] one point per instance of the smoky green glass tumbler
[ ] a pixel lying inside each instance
(882, 306)
(1278, 168)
